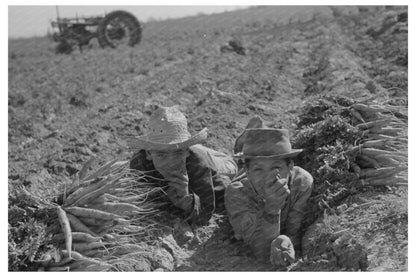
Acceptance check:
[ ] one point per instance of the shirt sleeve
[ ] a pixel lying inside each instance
(302, 184)
(218, 162)
(221, 166)
(250, 222)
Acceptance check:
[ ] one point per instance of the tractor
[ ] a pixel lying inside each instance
(112, 30)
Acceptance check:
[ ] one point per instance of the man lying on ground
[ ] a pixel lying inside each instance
(267, 202)
(194, 174)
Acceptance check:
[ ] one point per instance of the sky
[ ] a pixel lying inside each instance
(28, 21)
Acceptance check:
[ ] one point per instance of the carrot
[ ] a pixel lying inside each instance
(378, 136)
(381, 172)
(79, 236)
(119, 164)
(375, 123)
(84, 169)
(99, 200)
(58, 268)
(90, 265)
(357, 115)
(103, 170)
(397, 155)
(112, 197)
(389, 160)
(383, 181)
(95, 253)
(75, 184)
(98, 267)
(109, 237)
(388, 131)
(367, 144)
(96, 221)
(63, 261)
(66, 229)
(77, 225)
(366, 161)
(81, 260)
(127, 199)
(86, 212)
(82, 190)
(374, 143)
(80, 247)
(83, 263)
(390, 138)
(102, 230)
(89, 196)
(355, 168)
(375, 130)
(365, 108)
(75, 255)
(391, 131)
(398, 125)
(373, 152)
(79, 265)
(122, 209)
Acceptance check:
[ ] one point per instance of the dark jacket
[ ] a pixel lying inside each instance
(209, 173)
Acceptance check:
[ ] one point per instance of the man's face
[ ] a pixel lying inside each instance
(171, 164)
(260, 168)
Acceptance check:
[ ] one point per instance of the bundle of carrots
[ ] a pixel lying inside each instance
(98, 215)
(381, 156)
(350, 145)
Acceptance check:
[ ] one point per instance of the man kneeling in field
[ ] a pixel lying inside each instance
(194, 174)
(266, 204)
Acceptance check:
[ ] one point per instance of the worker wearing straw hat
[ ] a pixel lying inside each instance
(194, 173)
(267, 202)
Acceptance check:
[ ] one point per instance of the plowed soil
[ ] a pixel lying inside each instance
(62, 109)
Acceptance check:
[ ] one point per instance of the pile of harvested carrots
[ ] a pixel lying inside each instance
(381, 156)
(99, 212)
(102, 210)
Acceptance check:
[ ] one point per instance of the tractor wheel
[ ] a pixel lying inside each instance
(119, 28)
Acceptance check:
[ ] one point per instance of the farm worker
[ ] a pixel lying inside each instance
(266, 203)
(194, 173)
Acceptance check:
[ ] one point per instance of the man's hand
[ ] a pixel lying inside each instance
(282, 252)
(276, 192)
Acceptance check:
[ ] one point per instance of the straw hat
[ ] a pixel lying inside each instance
(168, 131)
(267, 143)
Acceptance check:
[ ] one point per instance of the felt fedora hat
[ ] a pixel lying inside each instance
(168, 131)
(255, 122)
(267, 143)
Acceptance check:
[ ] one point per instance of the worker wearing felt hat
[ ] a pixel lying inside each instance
(267, 202)
(196, 175)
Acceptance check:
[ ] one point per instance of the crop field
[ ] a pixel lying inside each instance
(64, 109)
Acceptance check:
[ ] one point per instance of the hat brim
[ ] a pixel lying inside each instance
(142, 143)
(292, 154)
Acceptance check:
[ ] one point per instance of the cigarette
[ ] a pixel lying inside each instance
(278, 175)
